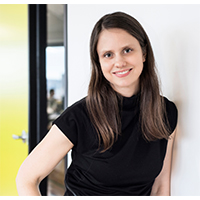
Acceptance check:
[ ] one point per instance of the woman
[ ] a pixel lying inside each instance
(122, 133)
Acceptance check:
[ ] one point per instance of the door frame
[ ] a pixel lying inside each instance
(37, 25)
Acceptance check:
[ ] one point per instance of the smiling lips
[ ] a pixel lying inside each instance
(122, 73)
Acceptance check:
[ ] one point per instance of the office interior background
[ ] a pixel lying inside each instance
(45, 47)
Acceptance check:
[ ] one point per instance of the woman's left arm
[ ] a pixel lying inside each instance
(162, 183)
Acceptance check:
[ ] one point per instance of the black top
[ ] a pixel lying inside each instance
(128, 168)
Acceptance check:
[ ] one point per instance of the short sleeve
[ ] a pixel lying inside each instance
(172, 114)
(67, 124)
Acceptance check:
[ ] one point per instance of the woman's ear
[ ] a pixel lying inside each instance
(144, 50)
(144, 57)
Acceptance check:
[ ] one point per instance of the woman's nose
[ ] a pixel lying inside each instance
(120, 61)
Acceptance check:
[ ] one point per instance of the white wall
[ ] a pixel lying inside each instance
(174, 31)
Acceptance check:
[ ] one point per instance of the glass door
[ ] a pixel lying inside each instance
(55, 73)
(56, 85)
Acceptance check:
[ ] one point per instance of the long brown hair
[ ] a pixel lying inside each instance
(103, 102)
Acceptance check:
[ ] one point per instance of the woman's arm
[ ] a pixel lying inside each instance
(162, 183)
(41, 161)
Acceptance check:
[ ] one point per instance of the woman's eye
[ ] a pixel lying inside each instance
(107, 55)
(127, 50)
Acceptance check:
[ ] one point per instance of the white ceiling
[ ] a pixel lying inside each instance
(55, 20)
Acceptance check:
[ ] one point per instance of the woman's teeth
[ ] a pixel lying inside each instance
(124, 72)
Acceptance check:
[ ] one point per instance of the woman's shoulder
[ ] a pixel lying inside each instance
(75, 111)
(172, 113)
(72, 118)
(170, 105)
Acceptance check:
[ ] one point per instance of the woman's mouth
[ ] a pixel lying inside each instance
(122, 73)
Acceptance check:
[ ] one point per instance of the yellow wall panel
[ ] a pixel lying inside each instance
(13, 92)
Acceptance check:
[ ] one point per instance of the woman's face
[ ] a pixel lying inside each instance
(121, 59)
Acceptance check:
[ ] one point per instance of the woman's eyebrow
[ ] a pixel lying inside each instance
(121, 48)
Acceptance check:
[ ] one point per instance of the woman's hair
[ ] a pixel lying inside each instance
(103, 102)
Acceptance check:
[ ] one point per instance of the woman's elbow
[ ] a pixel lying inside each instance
(26, 184)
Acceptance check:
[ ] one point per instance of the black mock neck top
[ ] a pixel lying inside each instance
(128, 168)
